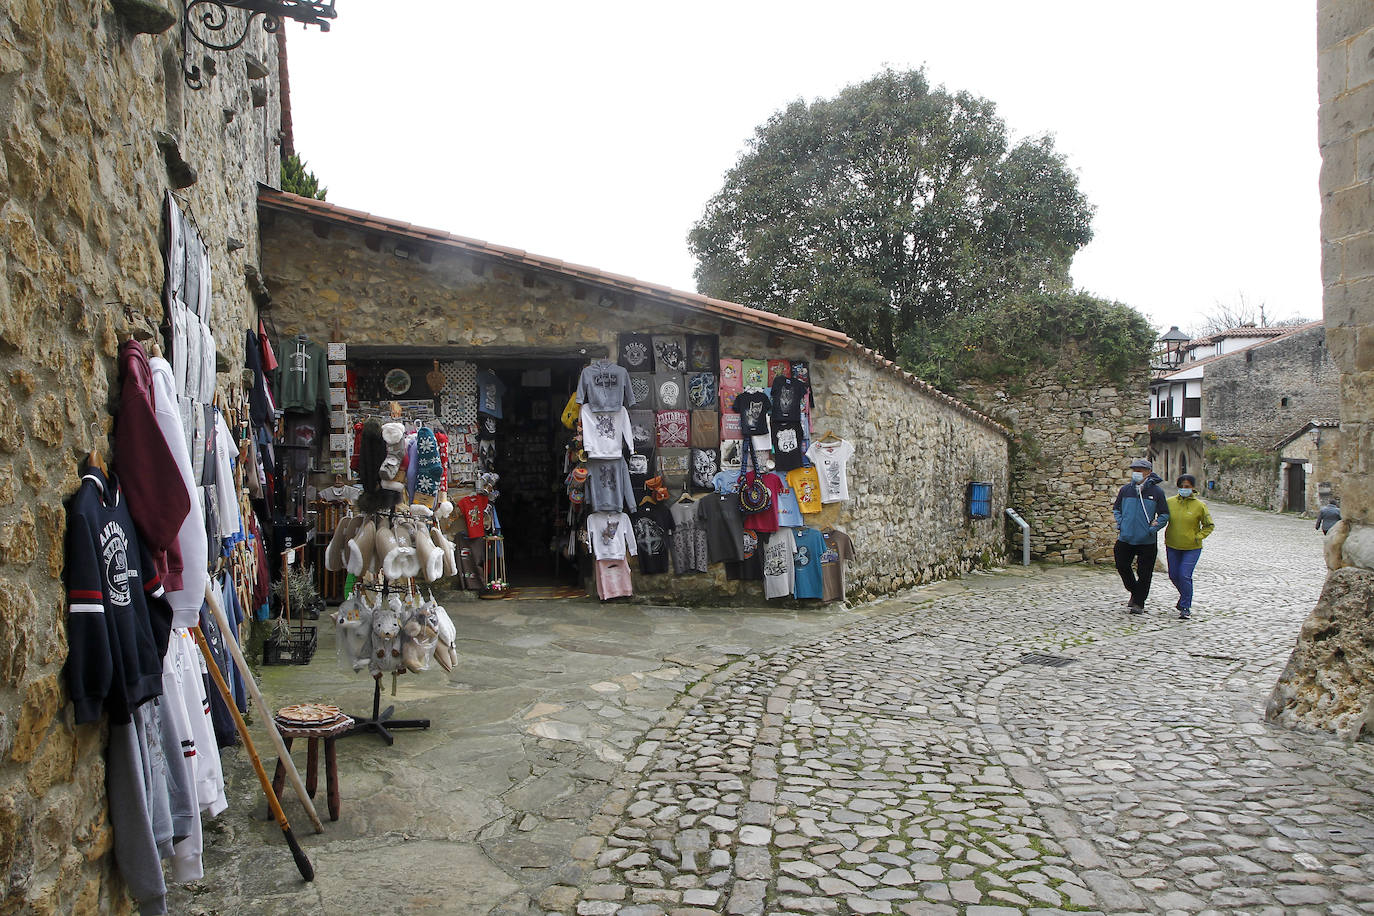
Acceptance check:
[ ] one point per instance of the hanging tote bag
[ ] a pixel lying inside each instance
(754, 495)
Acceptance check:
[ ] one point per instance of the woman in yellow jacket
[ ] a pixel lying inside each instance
(1189, 523)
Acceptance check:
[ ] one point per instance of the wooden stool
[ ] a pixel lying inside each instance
(314, 734)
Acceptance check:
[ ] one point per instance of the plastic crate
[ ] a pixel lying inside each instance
(294, 646)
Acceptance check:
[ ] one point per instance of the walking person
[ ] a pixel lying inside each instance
(1329, 515)
(1141, 510)
(1189, 525)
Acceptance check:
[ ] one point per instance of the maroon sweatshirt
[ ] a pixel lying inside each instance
(146, 467)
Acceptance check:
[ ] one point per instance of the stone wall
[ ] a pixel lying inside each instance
(1244, 394)
(1329, 681)
(915, 449)
(81, 188)
(1253, 484)
(1075, 436)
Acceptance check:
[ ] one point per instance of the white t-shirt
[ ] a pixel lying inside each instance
(778, 568)
(830, 459)
(604, 431)
(612, 535)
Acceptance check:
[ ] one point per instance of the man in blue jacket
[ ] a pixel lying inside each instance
(1141, 511)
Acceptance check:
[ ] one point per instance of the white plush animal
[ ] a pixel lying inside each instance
(386, 637)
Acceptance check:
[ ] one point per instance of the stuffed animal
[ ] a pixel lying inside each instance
(419, 637)
(386, 637)
(354, 622)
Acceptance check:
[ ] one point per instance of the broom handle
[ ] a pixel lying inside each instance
(292, 775)
(302, 861)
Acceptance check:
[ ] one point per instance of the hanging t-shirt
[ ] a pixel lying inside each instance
(641, 467)
(752, 407)
(643, 429)
(727, 481)
(670, 353)
(689, 548)
(767, 520)
(705, 429)
(670, 393)
(704, 466)
(839, 549)
(750, 569)
(789, 511)
(486, 427)
(611, 535)
(787, 395)
(652, 526)
(642, 389)
(701, 353)
(830, 459)
(602, 386)
(637, 352)
(755, 373)
(732, 375)
(490, 391)
(808, 581)
(805, 484)
(473, 510)
(609, 486)
(778, 568)
(801, 371)
(701, 391)
(603, 432)
(788, 444)
(730, 426)
(672, 428)
(719, 514)
(778, 368)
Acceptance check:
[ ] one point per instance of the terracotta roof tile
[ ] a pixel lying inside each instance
(275, 199)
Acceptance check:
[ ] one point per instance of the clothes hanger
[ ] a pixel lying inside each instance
(829, 435)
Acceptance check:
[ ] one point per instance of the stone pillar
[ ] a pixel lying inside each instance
(1329, 681)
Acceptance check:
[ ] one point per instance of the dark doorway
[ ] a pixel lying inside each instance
(530, 450)
(1297, 488)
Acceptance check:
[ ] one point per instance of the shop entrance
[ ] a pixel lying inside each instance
(531, 445)
(1297, 488)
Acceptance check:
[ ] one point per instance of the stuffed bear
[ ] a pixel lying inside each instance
(386, 637)
(354, 621)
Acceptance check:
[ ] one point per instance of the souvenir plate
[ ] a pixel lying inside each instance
(397, 381)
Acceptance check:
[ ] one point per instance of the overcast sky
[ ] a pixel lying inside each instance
(596, 132)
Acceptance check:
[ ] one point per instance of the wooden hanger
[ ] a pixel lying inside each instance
(829, 435)
(93, 458)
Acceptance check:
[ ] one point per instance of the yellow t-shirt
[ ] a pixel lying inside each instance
(806, 483)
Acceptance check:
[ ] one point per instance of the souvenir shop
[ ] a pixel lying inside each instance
(573, 475)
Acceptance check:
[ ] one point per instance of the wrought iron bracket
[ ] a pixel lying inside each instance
(210, 24)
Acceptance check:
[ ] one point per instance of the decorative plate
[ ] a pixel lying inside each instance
(309, 713)
(397, 381)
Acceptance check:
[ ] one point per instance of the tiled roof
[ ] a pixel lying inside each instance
(1280, 332)
(274, 199)
(1314, 423)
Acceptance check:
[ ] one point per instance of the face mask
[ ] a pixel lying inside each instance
(1137, 477)
(1185, 492)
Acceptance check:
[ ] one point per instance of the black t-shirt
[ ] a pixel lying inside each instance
(636, 352)
(752, 407)
(641, 467)
(787, 394)
(720, 514)
(750, 568)
(789, 446)
(652, 524)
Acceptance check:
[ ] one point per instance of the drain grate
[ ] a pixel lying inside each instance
(1040, 658)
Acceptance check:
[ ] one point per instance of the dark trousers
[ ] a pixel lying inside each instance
(1136, 563)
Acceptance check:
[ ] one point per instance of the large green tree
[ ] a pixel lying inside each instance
(887, 210)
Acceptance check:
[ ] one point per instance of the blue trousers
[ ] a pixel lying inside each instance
(1181, 565)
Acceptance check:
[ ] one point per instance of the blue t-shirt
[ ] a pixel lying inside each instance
(789, 510)
(727, 481)
(807, 581)
(490, 390)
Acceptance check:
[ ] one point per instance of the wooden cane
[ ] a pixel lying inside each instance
(302, 862)
(217, 611)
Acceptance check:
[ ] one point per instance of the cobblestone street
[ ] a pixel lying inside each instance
(919, 761)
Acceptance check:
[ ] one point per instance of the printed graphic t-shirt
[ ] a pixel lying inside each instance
(490, 391)
(778, 569)
(830, 459)
(719, 514)
(839, 549)
(603, 432)
(808, 581)
(806, 487)
(652, 526)
(752, 407)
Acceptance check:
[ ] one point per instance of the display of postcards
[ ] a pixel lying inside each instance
(730, 427)
(643, 429)
(755, 373)
(673, 464)
(704, 429)
(801, 370)
(338, 397)
(338, 373)
(701, 352)
(671, 428)
(670, 392)
(670, 353)
(636, 352)
(176, 250)
(731, 375)
(642, 389)
(777, 367)
(337, 352)
(701, 390)
(731, 453)
(703, 465)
